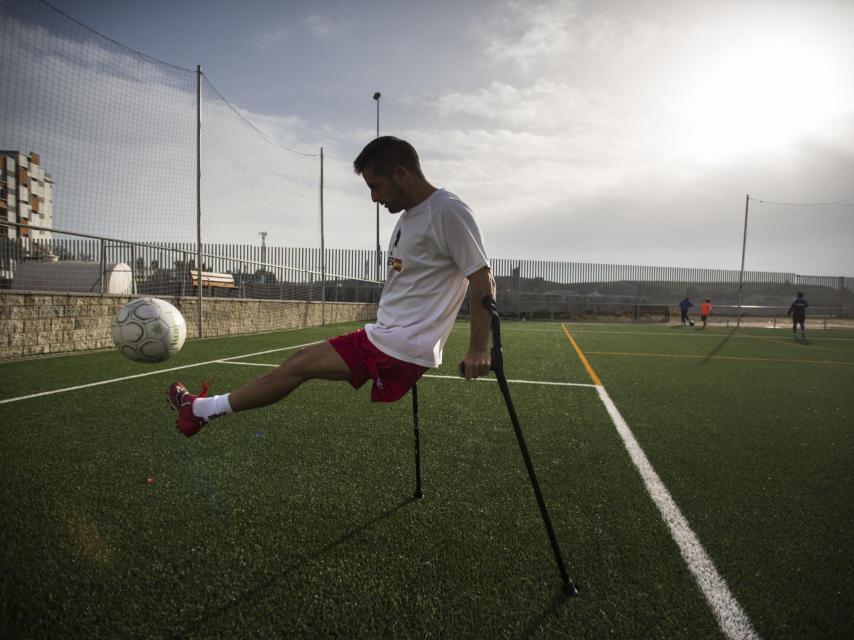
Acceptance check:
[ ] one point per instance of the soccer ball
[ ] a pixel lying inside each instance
(148, 330)
(691, 322)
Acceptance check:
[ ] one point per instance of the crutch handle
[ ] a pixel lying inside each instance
(488, 303)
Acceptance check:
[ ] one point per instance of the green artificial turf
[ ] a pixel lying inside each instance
(298, 519)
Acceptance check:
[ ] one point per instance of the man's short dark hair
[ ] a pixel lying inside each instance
(384, 154)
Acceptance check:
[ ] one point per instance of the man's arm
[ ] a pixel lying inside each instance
(477, 359)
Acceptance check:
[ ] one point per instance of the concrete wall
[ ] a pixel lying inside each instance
(39, 323)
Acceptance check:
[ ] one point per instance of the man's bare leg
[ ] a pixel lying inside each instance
(317, 361)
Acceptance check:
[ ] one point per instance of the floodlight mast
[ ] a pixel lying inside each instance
(200, 326)
(741, 273)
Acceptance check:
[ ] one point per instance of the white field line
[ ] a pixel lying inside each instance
(522, 330)
(731, 617)
(248, 364)
(554, 384)
(149, 373)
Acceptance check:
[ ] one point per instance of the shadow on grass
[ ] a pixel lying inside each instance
(536, 625)
(263, 587)
(717, 348)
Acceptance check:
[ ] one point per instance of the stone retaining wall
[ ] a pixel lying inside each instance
(39, 323)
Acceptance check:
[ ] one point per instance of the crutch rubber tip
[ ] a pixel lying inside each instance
(570, 590)
(419, 494)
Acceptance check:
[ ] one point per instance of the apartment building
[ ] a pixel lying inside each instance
(26, 197)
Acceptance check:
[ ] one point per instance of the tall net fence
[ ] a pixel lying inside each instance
(113, 130)
(101, 140)
(253, 188)
(799, 237)
(98, 194)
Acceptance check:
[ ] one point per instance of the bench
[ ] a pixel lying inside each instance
(211, 279)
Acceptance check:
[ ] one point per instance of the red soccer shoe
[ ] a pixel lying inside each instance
(181, 401)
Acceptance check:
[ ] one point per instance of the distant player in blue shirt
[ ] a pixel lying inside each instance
(798, 311)
(683, 307)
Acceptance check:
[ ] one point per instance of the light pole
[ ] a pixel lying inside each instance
(377, 97)
(263, 235)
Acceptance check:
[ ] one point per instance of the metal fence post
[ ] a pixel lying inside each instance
(323, 249)
(184, 273)
(133, 287)
(199, 190)
(103, 263)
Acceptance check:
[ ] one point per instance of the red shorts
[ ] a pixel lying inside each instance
(392, 377)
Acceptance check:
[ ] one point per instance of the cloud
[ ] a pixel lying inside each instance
(599, 139)
(324, 27)
(536, 36)
(594, 176)
(270, 39)
(526, 33)
(286, 131)
(543, 105)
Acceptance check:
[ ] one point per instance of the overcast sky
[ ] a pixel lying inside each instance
(610, 131)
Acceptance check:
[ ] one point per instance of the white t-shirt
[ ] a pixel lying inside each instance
(434, 247)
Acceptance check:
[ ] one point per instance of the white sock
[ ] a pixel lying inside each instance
(210, 408)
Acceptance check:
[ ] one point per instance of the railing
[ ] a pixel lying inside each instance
(525, 287)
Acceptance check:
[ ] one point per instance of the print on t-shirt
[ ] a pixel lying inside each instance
(393, 261)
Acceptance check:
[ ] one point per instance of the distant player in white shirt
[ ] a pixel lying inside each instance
(436, 253)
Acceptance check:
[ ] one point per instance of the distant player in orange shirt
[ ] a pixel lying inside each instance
(705, 311)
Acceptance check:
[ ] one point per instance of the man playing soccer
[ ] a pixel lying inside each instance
(683, 308)
(436, 252)
(798, 311)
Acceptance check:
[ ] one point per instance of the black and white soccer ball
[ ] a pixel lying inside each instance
(691, 322)
(148, 330)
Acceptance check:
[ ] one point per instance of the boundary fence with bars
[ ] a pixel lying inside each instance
(526, 288)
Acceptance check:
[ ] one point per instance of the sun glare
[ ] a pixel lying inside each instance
(756, 96)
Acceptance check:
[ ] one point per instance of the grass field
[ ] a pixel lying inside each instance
(297, 520)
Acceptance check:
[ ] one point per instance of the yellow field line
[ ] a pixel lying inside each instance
(702, 357)
(586, 364)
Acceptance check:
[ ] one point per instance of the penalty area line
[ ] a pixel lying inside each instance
(731, 618)
(543, 382)
(150, 373)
